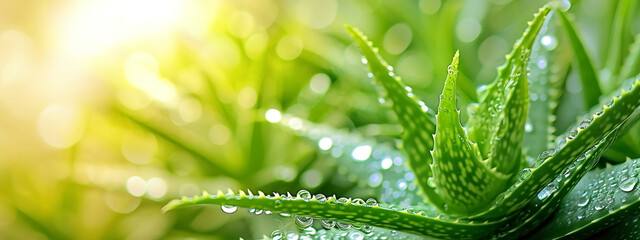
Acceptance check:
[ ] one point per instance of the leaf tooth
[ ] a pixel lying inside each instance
(230, 192)
(205, 195)
(250, 193)
(261, 194)
(220, 194)
(242, 194)
(185, 199)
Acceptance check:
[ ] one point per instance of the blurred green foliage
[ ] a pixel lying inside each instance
(93, 144)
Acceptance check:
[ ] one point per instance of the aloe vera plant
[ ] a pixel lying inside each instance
(473, 181)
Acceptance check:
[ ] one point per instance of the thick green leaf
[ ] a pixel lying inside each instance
(549, 64)
(461, 178)
(375, 233)
(350, 211)
(547, 200)
(570, 147)
(484, 123)
(588, 76)
(413, 114)
(604, 197)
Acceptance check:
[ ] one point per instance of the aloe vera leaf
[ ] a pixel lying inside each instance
(374, 233)
(462, 180)
(413, 114)
(370, 163)
(540, 208)
(546, 86)
(507, 141)
(553, 161)
(631, 64)
(603, 198)
(629, 229)
(617, 42)
(483, 124)
(348, 211)
(588, 77)
(207, 163)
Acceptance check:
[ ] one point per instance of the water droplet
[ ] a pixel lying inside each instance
(390, 68)
(276, 235)
(386, 163)
(544, 194)
(381, 100)
(584, 202)
(342, 200)
(328, 224)
(370, 75)
(547, 154)
(371, 202)
(367, 229)
(356, 236)
(343, 226)
(598, 205)
(303, 222)
(628, 184)
(321, 198)
(572, 134)
(524, 174)
(364, 60)
(304, 195)
(357, 201)
(292, 236)
(277, 204)
(309, 231)
(229, 208)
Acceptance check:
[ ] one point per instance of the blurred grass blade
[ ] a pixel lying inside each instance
(631, 65)
(207, 163)
(618, 40)
(589, 78)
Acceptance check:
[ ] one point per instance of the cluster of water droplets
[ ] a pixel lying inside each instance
(350, 234)
(607, 191)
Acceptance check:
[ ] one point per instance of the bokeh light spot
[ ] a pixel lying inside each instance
(397, 38)
(60, 126)
(468, 29)
(136, 186)
(273, 115)
(289, 47)
(219, 134)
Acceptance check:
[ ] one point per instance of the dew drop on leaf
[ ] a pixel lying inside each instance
(524, 174)
(292, 236)
(328, 224)
(371, 202)
(229, 208)
(584, 202)
(277, 204)
(544, 194)
(303, 222)
(343, 226)
(304, 195)
(276, 235)
(598, 205)
(628, 184)
(356, 236)
(321, 198)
